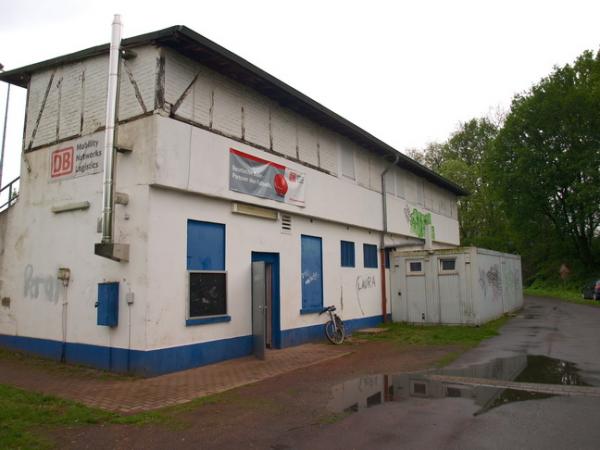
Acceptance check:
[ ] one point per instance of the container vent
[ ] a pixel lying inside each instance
(286, 224)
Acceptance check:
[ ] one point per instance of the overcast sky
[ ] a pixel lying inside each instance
(407, 72)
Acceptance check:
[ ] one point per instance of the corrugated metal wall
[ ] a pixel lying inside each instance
(483, 285)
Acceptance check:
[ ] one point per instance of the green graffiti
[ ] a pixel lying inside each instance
(418, 222)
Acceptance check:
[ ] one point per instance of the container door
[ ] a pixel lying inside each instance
(416, 290)
(452, 304)
(397, 286)
(259, 301)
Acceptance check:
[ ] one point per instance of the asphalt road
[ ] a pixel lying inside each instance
(546, 327)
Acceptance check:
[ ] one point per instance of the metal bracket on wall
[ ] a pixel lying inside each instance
(116, 252)
(124, 149)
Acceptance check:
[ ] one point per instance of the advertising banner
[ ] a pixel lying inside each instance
(252, 175)
(78, 158)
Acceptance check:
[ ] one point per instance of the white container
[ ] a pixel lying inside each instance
(463, 285)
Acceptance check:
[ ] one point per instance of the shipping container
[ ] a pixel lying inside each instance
(464, 285)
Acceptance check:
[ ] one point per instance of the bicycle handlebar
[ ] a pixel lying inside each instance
(327, 308)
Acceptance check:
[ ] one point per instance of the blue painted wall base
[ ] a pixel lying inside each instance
(297, 336)
(161, 361)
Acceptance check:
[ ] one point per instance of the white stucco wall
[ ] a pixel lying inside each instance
(37, 242)
(196, 160)
(167, 287)
(236, 111)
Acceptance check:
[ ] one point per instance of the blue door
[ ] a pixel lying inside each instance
(311, 274)
(272, 331)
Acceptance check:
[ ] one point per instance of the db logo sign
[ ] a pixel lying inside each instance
(62, 162)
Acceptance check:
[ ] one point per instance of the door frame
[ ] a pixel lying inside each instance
(273, 260)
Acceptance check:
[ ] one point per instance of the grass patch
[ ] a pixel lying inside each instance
(23, 414)
(332, 418)
(467, 336)
(565, 294)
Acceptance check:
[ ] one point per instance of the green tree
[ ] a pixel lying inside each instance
(545, 164)
(460, 159)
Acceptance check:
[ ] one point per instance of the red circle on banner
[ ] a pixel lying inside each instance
(280, 185)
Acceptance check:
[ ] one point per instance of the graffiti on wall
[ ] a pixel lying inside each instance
(309, 277)
(36, 286)
(418, 221)
(362, 283)
(492, 280)
(367, 282)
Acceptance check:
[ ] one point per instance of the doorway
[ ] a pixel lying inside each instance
(270, 327)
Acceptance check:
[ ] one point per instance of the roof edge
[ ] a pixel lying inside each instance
(21, 76)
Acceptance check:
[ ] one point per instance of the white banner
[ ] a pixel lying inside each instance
(84, 156)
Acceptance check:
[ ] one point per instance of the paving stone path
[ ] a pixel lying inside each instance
(136, 395)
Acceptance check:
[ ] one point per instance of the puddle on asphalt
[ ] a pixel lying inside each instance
(372, 390)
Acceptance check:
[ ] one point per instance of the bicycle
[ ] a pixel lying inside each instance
(334, 329)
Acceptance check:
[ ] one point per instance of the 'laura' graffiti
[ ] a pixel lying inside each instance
(418, 222)
(365, 282)
(362, 283)
(34, 285)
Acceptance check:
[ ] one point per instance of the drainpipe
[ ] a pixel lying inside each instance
(107, 247)
(383, 233)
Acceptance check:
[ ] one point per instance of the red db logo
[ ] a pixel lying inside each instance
(280, 185)
(62, 162)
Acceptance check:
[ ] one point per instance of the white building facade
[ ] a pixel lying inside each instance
(221, 165)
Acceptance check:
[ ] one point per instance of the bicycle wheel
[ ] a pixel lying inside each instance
(335, 336)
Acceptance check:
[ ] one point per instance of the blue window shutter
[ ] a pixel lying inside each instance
(370, 256)
(205, 245)
(311, 273)
(347, 253)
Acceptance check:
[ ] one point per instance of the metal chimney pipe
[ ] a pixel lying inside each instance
(109, 133)
(4, 130)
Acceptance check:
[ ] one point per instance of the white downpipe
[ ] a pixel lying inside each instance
(109, 133)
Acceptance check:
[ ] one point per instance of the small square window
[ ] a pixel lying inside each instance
(448, 265)
(208, 294)
(415, 267)
(347, 253)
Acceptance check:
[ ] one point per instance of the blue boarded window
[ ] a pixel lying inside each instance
(347, 253)
(311, 274)
(205, 245)
(207, 277)
(370, 256)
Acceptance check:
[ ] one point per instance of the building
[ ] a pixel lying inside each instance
(219, 164)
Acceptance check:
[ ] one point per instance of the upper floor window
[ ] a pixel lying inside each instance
(347, 253)
(370, 256)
